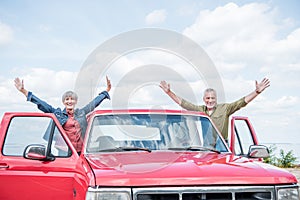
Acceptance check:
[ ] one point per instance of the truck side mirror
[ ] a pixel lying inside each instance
(36, 152)
(258, 151)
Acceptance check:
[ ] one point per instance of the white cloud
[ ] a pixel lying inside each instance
(287, 101)
(47, 84)
(248, 41)
(285, 52)
(235, 34)
(156, 17)
(232, 22)
(6, 33)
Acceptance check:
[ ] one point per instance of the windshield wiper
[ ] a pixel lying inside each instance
(119, 149)
(194, 148)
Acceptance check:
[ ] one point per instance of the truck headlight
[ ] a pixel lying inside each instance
(288, 193)
(108, 194)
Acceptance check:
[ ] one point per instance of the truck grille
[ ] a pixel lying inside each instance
(205, 193)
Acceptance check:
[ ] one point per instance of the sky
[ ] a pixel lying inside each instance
(47, 44)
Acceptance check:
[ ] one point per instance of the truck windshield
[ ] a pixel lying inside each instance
(152, 132)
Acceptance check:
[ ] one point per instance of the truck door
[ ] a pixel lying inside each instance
(242, 135)
(58, 176)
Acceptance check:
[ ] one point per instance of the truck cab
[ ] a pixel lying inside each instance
(137, 154)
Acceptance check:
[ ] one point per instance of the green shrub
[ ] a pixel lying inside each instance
(285, 160)
(272, 158)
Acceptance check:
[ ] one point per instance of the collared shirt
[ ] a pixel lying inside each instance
(62, 116)
(220, 115)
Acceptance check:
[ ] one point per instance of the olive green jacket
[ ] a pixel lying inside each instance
(221, 114)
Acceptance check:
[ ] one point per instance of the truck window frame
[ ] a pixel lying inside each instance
(52, 130)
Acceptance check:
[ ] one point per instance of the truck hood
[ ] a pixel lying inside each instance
(171, 168)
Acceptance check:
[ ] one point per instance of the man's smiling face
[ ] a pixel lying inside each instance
(210, 99)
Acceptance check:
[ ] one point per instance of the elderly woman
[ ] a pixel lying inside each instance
(73, 120)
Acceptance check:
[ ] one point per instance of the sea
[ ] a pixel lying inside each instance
(286, 147)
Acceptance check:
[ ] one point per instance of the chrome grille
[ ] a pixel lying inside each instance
(205, 193)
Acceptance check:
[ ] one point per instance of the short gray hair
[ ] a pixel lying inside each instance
(210, 90)
(69, 94)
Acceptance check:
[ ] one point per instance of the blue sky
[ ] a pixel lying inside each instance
(46, 44)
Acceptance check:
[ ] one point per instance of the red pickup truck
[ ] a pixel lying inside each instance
(137, 155)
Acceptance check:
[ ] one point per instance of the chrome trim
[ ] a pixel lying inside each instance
(209, 189)
(295, 186)
(135, 191)
(109, 189)
(278, 187)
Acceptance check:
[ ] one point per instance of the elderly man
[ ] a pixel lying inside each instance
(219, 113)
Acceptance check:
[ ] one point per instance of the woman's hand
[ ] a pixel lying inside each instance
(19, 84)
(108, 84)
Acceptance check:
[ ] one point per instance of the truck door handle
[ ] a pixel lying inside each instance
(3, 165)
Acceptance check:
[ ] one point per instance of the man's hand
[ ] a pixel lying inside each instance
(165, 86)
(262, 85)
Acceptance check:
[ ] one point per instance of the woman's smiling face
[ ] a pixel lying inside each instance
(69, 103)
